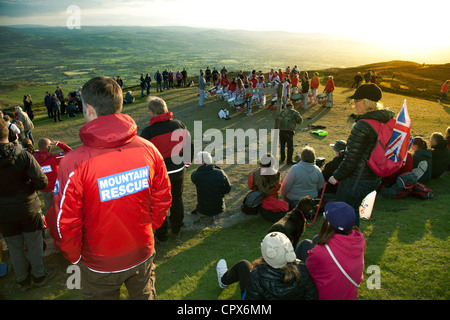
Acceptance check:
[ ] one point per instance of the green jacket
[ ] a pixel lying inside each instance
(288, 119)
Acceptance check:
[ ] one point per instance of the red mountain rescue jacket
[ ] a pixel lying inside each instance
(111, 193)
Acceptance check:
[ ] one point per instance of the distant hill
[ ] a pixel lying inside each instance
(401, 77)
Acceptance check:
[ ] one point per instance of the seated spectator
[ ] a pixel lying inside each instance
(71, 109)
(327, 171)
(276, 275)
(212, 185)
(339, 237)
(128, 97)
(440, 154)
(303, 179)
(405, 168)
(266, 178)
(421, 152)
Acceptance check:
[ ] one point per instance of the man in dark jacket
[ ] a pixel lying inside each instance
(20, 211)
(356, 179)
(170, 136)
(212, 185)
(440, 154)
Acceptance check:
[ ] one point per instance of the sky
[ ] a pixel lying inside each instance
(402, 25)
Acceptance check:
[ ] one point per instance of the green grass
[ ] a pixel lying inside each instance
(408, 239)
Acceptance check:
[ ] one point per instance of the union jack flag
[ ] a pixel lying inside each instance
(401, 138)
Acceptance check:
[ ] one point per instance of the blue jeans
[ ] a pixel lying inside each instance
(158, 86)
(353, 194)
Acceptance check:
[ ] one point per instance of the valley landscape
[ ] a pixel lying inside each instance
(408, 239)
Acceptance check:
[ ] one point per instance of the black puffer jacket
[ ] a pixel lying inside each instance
(20, 176)
(360, 144)
(266, 283)
(212, 185)
(441, 159)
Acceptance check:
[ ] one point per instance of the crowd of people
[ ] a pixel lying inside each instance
(106, 204)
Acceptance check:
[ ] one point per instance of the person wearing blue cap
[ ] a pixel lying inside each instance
(335, 257)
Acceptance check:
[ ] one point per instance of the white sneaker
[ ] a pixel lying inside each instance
(221, 269)
(421, 169)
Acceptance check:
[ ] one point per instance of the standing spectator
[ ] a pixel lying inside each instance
(208, 75)
(329, 88)
(20, 212)
(13, 130)
(374, 77)
(48, 104)
(288, 119)
(201, 88)
(338, 242)
(368, 76)
(305, 89)
(119, 81)
(161, 132)
(223, 71)
(28, 125)
(158, 79)
(165, 75)
(171, 76)
(60, 95)
(215, 75)
(440, 154)
(56, 107)
(357, 80)
(27, 106)
(142, 84)
(179, 77)
(212, 185)
(303, 179)
(356, 179)
(148, 83)
(184, 79)
(444, 91)
(315, 83)
(110, 194)
(49, 163)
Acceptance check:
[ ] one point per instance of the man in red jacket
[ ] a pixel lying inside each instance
(49, 163)
(111, 193)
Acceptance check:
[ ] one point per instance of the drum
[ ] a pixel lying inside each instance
(310, 94)
(226, 96)
(296, 97)
(219, 93)
(322, 98)
(239, 103)
(231, 101)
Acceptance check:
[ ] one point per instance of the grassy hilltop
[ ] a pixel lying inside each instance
(407, 239)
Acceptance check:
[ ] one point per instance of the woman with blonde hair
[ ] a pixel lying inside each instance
(276, 275)
(356, 179)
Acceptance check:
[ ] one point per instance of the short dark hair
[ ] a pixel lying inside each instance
(308, 155)
(4, 132)
(104, 95)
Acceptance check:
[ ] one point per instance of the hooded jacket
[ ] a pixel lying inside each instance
(212, 185)
(267, 283)
(21, 176)
(49, 163)
(331, 283)
(303, 179)
(360, 144)
(173, 142)
(111, 193)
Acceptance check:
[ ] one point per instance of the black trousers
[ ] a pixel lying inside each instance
(176, 216)
(238, 272)
(286, 140)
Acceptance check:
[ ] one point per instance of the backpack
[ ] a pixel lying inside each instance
(420, 191)
(378, 162)
(251, 202)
